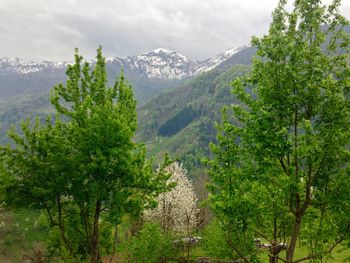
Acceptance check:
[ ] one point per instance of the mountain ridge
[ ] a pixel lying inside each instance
(29, 93)
(160, 63)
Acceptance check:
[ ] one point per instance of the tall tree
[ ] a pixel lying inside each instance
(280, 169)
(87, 167)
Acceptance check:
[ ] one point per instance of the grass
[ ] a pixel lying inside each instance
(20, 234)
(24, 230)
(339, 255)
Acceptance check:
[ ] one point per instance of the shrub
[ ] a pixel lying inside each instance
(150, 245)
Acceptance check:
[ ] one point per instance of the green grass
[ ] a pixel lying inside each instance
(20, 234)
(339, 255)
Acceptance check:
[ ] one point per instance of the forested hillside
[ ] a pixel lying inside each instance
(181, 121)
(24, 88)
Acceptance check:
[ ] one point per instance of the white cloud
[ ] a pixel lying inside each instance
(50, 29)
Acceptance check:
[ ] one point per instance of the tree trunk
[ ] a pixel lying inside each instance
(95, 239)
(115, 239)
(273, 258)
(294, 239)
(275, 249)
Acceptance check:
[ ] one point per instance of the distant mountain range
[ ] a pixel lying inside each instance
(25, 85)
(158, 64)
(149, 72)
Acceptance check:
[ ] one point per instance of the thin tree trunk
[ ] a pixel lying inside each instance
(114, 243)
(273, 258)
(294, 239)
(95, 239)
(275, 249)
(62, 228)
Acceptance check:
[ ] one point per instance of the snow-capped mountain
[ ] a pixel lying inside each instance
(25, 85)
(167, 64)
(218, 59)
(149, 73)
(22, 66)
(157, 64)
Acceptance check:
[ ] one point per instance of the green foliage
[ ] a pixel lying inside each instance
(282, 154)
(42, 222)
(151, 245)
(85, 167)
(214, 242)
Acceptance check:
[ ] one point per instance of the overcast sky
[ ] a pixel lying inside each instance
(50, 29)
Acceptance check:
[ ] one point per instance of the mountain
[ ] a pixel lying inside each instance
(158, 64)
(181, 121)
(149, 73)
(24, 86)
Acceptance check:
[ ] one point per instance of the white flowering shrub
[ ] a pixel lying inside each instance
(177, 209)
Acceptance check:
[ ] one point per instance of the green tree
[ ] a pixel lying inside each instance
(85, 169)
(280, 169)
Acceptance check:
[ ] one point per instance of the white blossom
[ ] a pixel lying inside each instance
(177, 209)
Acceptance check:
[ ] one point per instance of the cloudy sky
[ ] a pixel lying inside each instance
(50, 29)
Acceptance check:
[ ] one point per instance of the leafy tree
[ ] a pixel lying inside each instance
(87, 168)
(280, 170)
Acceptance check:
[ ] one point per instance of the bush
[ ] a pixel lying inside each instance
(150, 245)
(42, 223)
(214, 242)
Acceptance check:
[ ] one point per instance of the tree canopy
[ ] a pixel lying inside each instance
(280, 169)
(82, 166)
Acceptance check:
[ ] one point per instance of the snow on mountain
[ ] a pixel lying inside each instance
(218, 59)
(22, 66)
(158, 64)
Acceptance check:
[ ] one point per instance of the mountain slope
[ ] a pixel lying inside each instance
(149, 73)
(181, 120)
(30, 96)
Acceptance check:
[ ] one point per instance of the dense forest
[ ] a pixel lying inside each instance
(245, 163)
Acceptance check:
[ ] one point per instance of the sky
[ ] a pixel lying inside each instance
(199, 29)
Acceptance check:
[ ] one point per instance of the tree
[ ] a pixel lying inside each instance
(280, 169)
(177, 210)
(87, 168)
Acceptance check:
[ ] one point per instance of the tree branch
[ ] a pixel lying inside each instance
(283, 260)
(312, 256)
(237, 251)
(52, 221)
(335, 244)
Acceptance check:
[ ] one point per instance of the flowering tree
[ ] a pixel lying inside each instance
(177, 209)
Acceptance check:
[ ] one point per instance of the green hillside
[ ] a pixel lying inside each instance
(181, 121)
